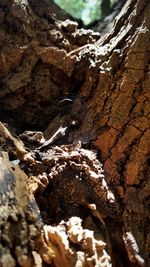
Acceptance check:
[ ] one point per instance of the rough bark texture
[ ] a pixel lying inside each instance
(74, 86)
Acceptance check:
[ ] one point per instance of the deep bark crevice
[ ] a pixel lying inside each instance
(89, 95)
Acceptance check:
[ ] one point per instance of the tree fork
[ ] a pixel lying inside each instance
(107, 80)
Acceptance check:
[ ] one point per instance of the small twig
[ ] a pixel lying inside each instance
(75, 51)
(59, 133)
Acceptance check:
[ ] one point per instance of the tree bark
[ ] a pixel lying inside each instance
(97, 89)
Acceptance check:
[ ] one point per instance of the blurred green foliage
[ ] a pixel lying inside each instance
(86, 10)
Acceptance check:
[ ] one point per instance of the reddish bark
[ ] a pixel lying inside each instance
(53, 75)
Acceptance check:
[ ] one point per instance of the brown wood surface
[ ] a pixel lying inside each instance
(54, 75)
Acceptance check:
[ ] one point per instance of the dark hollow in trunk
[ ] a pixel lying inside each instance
(82, 93)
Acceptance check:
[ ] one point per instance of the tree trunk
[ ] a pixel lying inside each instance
(74, 86)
